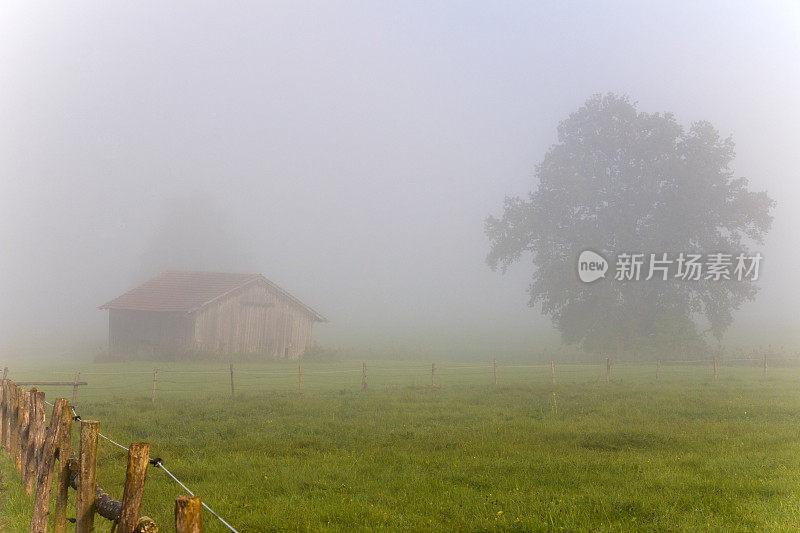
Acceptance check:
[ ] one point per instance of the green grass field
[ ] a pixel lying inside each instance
(683, 453)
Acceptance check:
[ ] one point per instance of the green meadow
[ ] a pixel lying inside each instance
(685, 452)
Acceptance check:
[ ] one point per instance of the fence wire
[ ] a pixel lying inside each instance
(392, 375)
(158, 463)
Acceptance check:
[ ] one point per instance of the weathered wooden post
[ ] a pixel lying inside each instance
(233, 391)
(35, 438)
(715, 367)
(188, 514)
(64, 445)
(3, 408)
(24, 433)
(138, 457)
(75, 388)
(20, 397)
(433, 374)
(765, 365)
(608, 369)
(494, 367)
(3, 414)
(658, 370)
(363, 376)
(9, 419)
(39, 431)
(300, 378)
(9, 414)
(87, 480)
(44, 472)
(155, 382)
(553, 370)
(16, 418)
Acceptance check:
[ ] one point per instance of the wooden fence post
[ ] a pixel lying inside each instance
(24, 434)
(608, 369)
(233, 392)
(494, 367)
(433, 374)
(3, 402)
(44, 472)
(188, 514)
(7, 412)
(20, 396)
(64, 445)
(715, 367)
(35, 438)
(658, 370)
(553, 370)
(138, 457)
(3, 414)
(87, 480)
(9, 420)
(765, 365)
(363, 376)
(75, 388)
(300, 378)
(155, 382)
(16, 418)
(39, 431)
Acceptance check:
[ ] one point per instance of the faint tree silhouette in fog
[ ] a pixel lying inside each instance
(193, 233)
(620, 180)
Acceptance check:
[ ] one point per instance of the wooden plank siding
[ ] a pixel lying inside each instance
(253, 319)
(181, 312)
(148, 333)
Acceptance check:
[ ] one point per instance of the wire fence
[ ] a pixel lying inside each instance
(249, 379)
(159, 464)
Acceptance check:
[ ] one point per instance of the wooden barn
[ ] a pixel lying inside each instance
(209, 312)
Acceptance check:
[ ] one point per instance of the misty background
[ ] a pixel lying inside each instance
(350, 152)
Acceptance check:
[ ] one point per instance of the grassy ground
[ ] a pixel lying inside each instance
(684, 453)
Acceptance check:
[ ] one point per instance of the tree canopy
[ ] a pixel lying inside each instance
(621, 180)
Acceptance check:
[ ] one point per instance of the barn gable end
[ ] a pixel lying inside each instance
(254, 319)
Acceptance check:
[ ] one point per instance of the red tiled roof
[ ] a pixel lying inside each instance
(185, 291)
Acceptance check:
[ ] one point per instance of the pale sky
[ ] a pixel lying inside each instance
(356, 148)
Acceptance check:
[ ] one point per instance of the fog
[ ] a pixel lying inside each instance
(350, 152)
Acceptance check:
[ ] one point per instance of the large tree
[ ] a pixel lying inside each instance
(621, 180)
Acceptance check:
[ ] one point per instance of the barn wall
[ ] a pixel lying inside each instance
(255, 319)
(149, 332)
